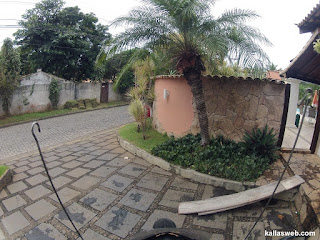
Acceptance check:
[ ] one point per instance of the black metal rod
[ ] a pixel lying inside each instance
(45, 167)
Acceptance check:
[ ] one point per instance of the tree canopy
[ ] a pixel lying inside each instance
(9, 72)
(61, 41)
(191, 37)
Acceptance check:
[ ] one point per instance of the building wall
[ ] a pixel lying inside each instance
(233, 106)
(112, 95)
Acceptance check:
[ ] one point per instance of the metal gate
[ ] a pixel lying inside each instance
(104, 92)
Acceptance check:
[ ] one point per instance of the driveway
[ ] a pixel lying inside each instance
(17, 139)
(112, 194)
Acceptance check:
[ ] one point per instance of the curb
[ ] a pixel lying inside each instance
(186, 173)
(59, 115)
(5, 179)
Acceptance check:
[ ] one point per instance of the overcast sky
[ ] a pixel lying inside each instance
(277, 22)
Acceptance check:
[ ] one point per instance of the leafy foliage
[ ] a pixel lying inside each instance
(261, 143)
(61, 41)
(316, 46)
(9, 73)
(222, 157)
(54, 93)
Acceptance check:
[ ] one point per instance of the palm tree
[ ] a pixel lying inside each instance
(190, 36)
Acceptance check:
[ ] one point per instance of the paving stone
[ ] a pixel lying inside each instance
(210, 192)
(72, 164)
(118, 150)
(16, 187)
(86, 158)
(161, 171)
(45, 231)
(3, 194)
(94, 164)
(90, 234)
(64, 153)
(182, 183)
(103, 171)
(35, 164)
(217, 220)
(286, 224)
(54, 172)
(86, 182)
(53, 164)
(39, 178)
(21, 163)
(152, 181)
(59, 181)
(36, 170)
(1, 213)
(98, 152)
(21, 169)
(117, 182)
(107, 156)
(19, 176)
(51, 158)
(118, 162)
(14, 202)
(79, 215)
(2, 237)
(252, 210)
(98, 199)
(138, 199)
(118, 221)
(216, 236)
(133, 170)
(37, 192)
(40, 209)
(65, 194)
(78, 172)
(172, 198)
(14, 222)
(241, 229)
(157, 214)
(67, 158)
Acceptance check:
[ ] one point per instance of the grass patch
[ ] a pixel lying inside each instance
(59, 112)
(3, 168)
(154, 138)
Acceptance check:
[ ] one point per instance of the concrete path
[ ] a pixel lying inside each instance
(17, 139)
(112, 194)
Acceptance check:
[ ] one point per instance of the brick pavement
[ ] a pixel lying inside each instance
(18, 139)
(111, 194)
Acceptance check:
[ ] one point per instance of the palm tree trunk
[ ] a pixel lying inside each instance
(194, 81)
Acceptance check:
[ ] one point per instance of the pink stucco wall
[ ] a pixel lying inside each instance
(174, 114)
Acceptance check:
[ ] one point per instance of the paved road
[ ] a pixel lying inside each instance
(112, 194)
(17, 139)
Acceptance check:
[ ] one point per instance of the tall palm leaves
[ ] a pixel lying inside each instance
(189, 35)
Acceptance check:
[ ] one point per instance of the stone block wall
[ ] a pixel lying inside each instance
(234, 105)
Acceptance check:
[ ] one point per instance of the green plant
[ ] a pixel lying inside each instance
(94, 102)
(261, 143)
(137, 110)
(316, 46)
(54, 93)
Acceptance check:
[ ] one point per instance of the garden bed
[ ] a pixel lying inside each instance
(5, 176)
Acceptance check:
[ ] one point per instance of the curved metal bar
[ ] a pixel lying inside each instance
(45, 167)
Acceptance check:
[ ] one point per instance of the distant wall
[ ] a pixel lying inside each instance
(112, 95)
(234, 105)
(34, 98)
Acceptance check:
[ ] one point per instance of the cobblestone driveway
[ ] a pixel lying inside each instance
(112, 194)
(18, 139)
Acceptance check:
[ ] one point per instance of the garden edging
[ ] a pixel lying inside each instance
(5, 179)
(186, 173)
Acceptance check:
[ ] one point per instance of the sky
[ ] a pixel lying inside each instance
(278, 19)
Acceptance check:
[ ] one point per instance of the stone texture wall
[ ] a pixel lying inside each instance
(234, 105)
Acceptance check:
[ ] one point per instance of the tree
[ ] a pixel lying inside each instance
(9, 73)
(62, 41)
(316, 46)
(191, 36)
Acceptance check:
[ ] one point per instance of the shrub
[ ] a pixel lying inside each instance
(94, 102)
(222, 157)
(261, 143)
(71, 104)
(54, 93)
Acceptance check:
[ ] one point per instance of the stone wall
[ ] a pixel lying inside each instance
(234, 105)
